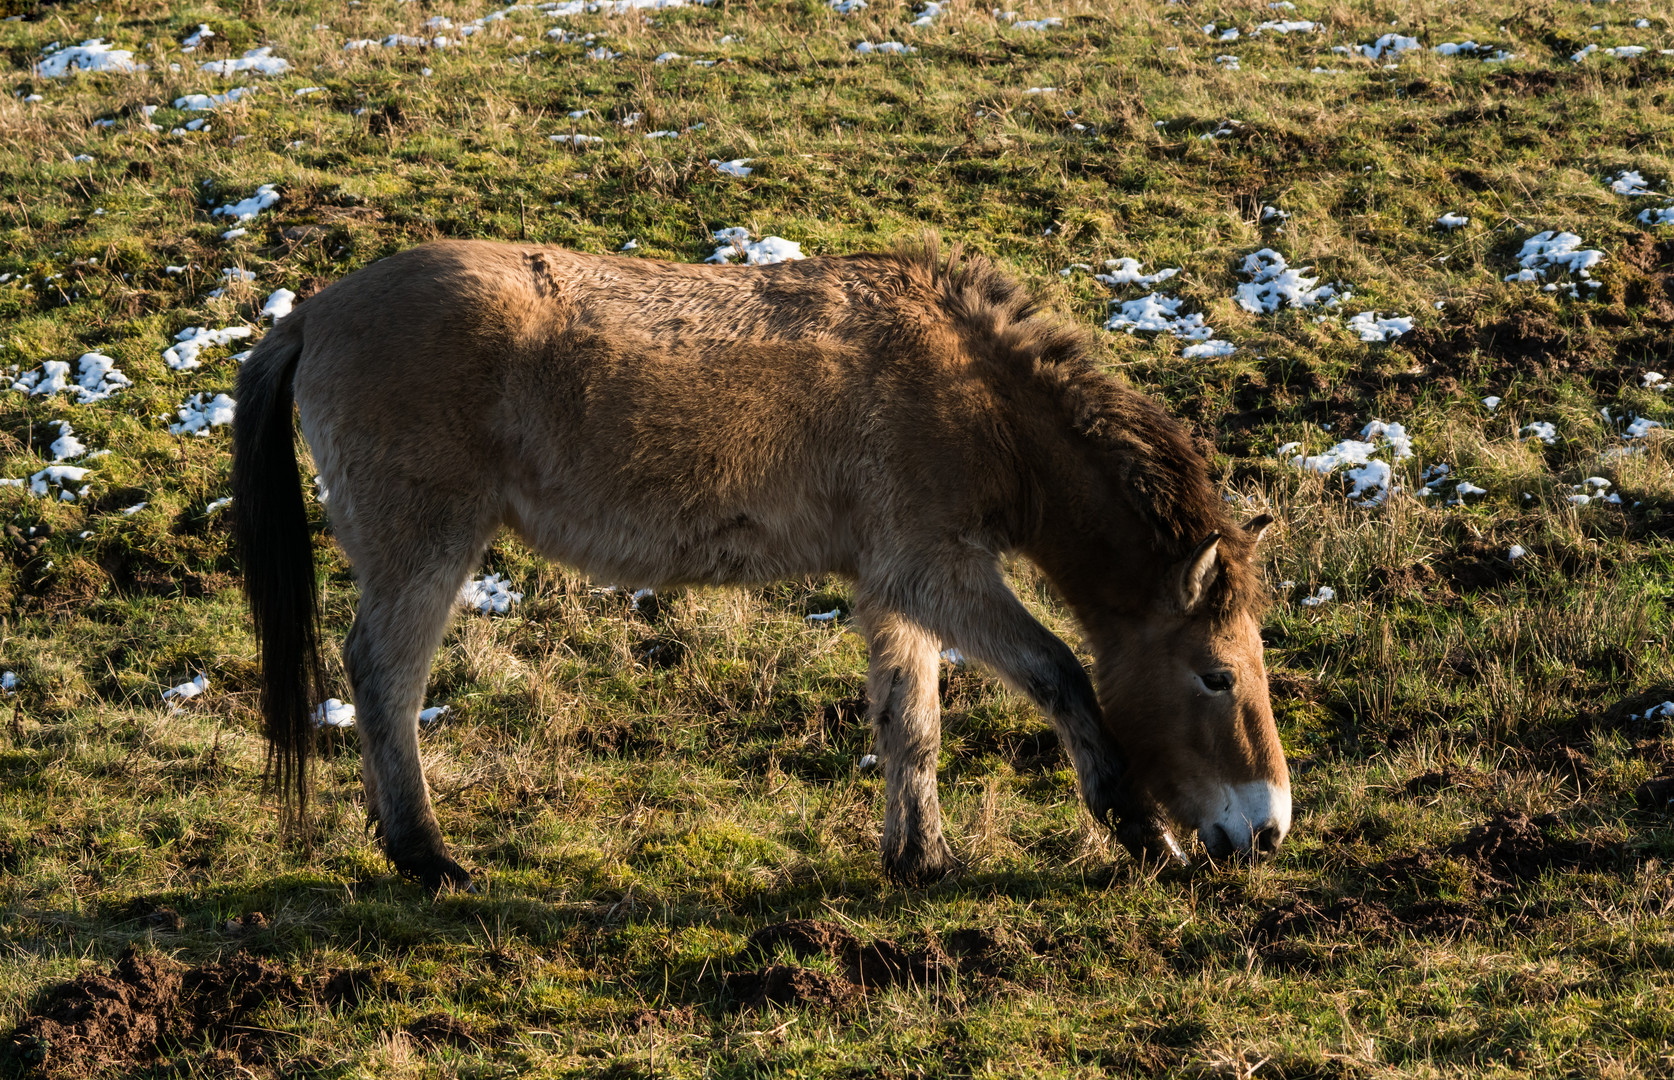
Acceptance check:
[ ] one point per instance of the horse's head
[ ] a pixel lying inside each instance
(1184, 694)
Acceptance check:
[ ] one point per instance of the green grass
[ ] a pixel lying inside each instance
(635, 820)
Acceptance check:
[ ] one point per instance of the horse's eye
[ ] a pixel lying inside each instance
(1218, 682)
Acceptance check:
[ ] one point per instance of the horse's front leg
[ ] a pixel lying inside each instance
(968, 604)
(906, 713)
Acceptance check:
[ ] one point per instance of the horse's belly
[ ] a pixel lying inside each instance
(645, 545)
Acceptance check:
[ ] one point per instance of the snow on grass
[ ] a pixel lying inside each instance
(846, 7)
(577, 140)
(1210, 349)
(1629, 182)
(886, 48)
(1228, 34)
(1289, 26)
(1228, 63)
(202, 34)
(1371, 477)
(1126, 271)
(247, 209)
(186, 691)
(67, 446)
(334, 713)
(1539, 429)
(279, 303)
(736, 243)
(1325, 595)
(261, 61)
(202, 102)
(1371, 328)
(1657, 216)
(91, 55)
(1156, 312)
(1274, 283)
(1556, 252)
(490, 594)
(99, 378)
(1640, 428)
(200, 412)
(1388, 45)
(60, 476)
(737, 167)
(928, 13)
(52, 378)
(1451, 220)
(183, 355)
(1047, 23)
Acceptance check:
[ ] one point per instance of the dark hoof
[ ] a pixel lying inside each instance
(437, 873)
(921, 864)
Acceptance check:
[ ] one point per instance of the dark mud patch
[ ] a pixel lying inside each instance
(142, 1008)
(1655, 794)
(866, 965)
(440, 1029)
(1448, 778)
(1639, 718)
(788, 984)
(1352, 916)
(1523, 343)
(1511, 846)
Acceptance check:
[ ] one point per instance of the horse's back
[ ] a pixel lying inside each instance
(658, 421)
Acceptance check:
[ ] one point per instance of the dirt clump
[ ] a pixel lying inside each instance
(1448, 778)
(866, 965)
(1275, 931)
(144, 1004)
(787, 984)
(1655, 794)
(1511, 846)
(441, 1029)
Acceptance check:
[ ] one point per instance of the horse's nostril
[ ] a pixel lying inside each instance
(1267, 840)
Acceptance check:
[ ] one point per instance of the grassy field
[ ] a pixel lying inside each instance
(1477, 880)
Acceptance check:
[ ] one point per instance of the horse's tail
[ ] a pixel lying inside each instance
(271, 523)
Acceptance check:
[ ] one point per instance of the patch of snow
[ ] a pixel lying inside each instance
(1214, 347)
(490, 594)
(1390, 45)
(67, 446)
(1325, 595)
(247, 209)
(1372, 328)
(183, 355)
(278, 304)
(1658, 216)
(1492, 402)
(201, 102)
(334, 712)
(261, 61)
(887, 48)
(737, 167)
(59, 476)
(200, 412)
(1273, 282)
(1159, 313)
(1451, 220)
(90, 55)
(736, 243)
(1629, 182)
(1540, 429)
(186, 691)
(1126, 271)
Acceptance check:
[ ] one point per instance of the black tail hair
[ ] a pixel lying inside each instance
(271, 527)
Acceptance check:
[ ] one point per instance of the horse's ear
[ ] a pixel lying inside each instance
(1198, 572)
(1257, 527)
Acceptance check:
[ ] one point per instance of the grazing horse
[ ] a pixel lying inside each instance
(901, 420)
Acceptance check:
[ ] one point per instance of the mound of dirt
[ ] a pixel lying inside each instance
(125, 1017)
(1362, 918)
(441, 1029)
(787, 984)
(866, 965)
(1511, 846)
(1448, 778)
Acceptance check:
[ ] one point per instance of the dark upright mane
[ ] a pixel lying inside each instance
(1162, 474)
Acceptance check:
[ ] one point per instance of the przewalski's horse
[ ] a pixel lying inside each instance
(895, 419)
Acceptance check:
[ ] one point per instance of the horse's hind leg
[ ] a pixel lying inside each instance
(409, 579)
(906, 715)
